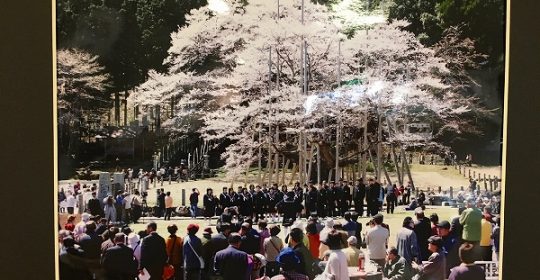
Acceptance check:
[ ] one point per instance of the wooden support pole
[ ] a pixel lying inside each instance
(269, 159)
(285, 168)
(451, 192)
(310, 164)
(469, 173)
(408, 169)
(318, 164)
(400, 180)
(183, 197)
(485, 182)
(329, 175)
(490, 183)
(293, 175)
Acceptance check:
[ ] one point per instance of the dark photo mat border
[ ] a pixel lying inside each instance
(26, 91)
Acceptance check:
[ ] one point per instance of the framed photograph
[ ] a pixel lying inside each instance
(372, 119)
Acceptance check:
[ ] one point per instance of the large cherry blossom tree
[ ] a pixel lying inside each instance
(273, 86)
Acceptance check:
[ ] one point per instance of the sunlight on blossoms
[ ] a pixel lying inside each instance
(218, 6)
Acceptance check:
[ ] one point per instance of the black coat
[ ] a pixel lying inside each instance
(224, 200)
(91, 245)
(119, 262)
(209, 203)
(153, 251)
(347, 194)
(94, 206)
(311, 200)
(251, 243)
(359, 193)
(289, 209)
(231, 263)
(161, 200)
(422, 229)
(259, 202)
(73, 266)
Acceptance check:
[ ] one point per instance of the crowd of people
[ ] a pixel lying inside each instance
(426, 248)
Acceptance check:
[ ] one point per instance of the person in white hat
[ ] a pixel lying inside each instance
(351, 252)
(323, 235)
(80, 227)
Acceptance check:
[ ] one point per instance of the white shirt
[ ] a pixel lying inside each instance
(127, 201)
(337, 265)
(71, 201)
(376, 239)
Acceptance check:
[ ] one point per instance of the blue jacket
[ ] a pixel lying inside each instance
(191, 261)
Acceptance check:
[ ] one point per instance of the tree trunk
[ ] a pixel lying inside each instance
(126, 94)
(117, 108)
(285, 168)
(407, 166)
(293, 175)
(386, 175)
(318, 164)
(269, 164)
(259, 176)
(365, 147)
(379, 147)
(307, 159)
(310, 162)
(300, 157)
(338, 132)
(375, 165)
(397, 165)
(276, 160)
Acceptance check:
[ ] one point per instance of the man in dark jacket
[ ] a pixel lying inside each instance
(396, 267)
(259, 203)
(322, 201)
(224, 201)
(72, 262)
(334, 200)
(250, 242)
(346, 198)
(231, 263)
(219, 241)
(153, 252)
(359, 194)
(373, 194)
(90, 242)
(118, 261)
(289, 208)
(306, 259)
(311, 200)
(449, 246)
(95, 206)
(422, 229)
